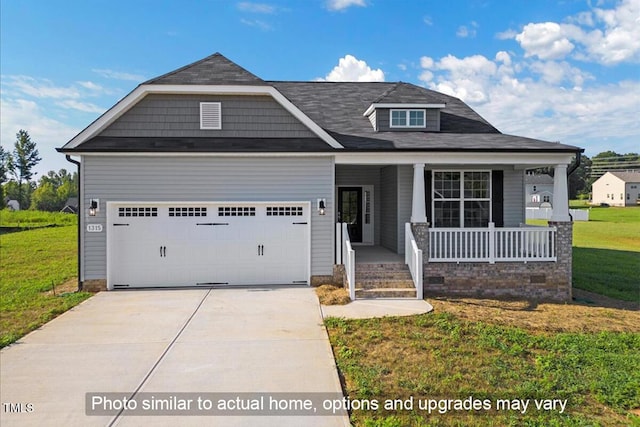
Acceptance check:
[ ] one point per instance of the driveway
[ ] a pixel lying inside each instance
(172, 346)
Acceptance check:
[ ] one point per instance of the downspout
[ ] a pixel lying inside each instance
(79, 216)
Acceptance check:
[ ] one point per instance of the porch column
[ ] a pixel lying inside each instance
(560, 194)
(418, 205)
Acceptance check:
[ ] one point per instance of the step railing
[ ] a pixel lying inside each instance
(413, 258)
(347, 256)
(509, 244)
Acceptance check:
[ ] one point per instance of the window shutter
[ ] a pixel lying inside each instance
(427, 195)
(497, 197)
(210, 115)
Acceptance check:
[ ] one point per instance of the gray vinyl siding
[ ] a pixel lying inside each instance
(347, 175)
(170, 178)
(176, 116)
(514, 198)
(405, 201)
(389, 207)
(383, 121)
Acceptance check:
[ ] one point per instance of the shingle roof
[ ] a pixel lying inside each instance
(338, 108)
(632, 176)
(212, 70)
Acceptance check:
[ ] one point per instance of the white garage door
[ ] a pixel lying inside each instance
(205, 244)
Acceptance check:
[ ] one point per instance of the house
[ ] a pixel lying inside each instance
(617, 189)
(71, 206)
(12, 205)
(539, 190)
(209, 175)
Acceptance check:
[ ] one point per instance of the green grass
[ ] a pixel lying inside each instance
(606, 252)
(439, 356)
(30, 219)
(31, 264)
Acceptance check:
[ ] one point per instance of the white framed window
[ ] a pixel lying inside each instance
(407, 118)
(211, 115)
(461, 198)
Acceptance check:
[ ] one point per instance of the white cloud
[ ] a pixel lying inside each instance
(48, 133)
(38, 88)
(427, 20)
(546, 40)
(264, 26)
(467, 31)
(118, 75)
(246, 6)
(606, 36)
(86, 107)
(351, 69)
(344, 4)
(550, 100)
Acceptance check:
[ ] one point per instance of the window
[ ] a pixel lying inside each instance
(211, 115)
(407, 118)
(546, 199)
(284, 210)
(237, 211)
(188, 211)
(137, 211)
(461, 198)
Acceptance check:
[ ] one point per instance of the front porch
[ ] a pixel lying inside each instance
(476, 242)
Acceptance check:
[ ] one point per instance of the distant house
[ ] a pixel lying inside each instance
(538, 190)
(13, 205)
(71, 206)
(617, 189)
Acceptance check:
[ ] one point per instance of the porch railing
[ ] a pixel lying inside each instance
(413, 258)
(347, 256)
(509, 244)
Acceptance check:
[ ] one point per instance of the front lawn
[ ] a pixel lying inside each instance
(32, 264)
(587, 357)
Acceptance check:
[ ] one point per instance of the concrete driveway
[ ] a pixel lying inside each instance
(172, 346)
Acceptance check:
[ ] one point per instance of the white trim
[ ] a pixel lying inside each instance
(141, 91)
(443, 158)
(371, 227)
(407, 114)
(210, 115)
(400, 106)
(517, 160)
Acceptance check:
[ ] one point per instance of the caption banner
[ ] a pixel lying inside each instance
(298, 404)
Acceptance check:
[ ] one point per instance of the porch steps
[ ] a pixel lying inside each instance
(384, 280)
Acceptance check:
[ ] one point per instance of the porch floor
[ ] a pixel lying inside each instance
(376, 254)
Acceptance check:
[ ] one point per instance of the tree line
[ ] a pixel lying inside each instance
(49, 193)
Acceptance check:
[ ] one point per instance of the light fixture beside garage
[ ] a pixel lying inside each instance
(321, 206)
(94, 207)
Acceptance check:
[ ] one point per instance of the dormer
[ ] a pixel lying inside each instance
(404, 117)
(405, 107)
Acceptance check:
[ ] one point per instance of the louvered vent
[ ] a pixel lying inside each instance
(210, 115)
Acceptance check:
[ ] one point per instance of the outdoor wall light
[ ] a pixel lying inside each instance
(94, 206)
(321, 206)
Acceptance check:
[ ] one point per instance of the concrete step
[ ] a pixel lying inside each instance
(385, 283)
(393, 266)
(383, 275)
(385, 293)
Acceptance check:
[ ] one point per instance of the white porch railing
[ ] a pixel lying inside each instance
(347, 256)
(413, 258)
(513, 244)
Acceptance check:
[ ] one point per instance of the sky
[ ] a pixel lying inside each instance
(562, 70)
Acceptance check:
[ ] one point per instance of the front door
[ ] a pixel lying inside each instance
(350, 211)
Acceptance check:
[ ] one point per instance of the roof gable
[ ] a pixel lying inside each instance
(212, 70)
(627, 176)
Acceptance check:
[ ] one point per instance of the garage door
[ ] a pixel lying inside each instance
(205, 244)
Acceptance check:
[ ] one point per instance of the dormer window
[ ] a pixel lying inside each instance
(408, 118)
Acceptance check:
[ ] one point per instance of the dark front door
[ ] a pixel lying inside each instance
(350, 211)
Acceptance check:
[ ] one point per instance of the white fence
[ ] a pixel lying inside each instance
(545, 213)
(347, 256)
(413, 258)
(525, 244)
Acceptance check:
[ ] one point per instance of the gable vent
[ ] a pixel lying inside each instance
(210, 115)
